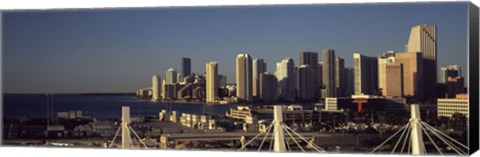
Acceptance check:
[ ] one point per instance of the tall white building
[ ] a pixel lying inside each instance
(286, 79)
(156, 86)
(171, 76)
(244, 77)
(423, 39)
(212, 81)
(365, 73)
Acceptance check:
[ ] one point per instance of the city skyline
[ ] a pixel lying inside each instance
(131, 76)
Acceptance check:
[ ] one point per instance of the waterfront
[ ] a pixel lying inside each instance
(100, 106)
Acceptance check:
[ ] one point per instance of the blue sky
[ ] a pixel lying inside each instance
(118, 50)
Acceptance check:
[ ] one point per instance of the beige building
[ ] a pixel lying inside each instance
(244, 77)
(447, 107)
(392, 79)
(387, 57)
(212, 81)
(412, 73)
(156, 85)
(423, 39)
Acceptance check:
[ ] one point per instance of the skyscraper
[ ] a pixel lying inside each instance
(311, 59)
(222, 79)
(392, 76)
(171, 76)
(423, 39)
(268, 87)
(329, 63)
(455, 85)
(366, 74)
(212, 81)
(305, 82)
(349, 79)
(259, 67)
(388, 57)
(186, 67)
(156, 85)
(244, 77)
(449, 71)
(286, 79)
(319, 79)
(340, 76)
(412, 73)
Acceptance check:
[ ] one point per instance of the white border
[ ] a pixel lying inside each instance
(9, 5)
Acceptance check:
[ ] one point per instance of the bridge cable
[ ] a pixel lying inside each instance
(457, 150)
(400, 138)
(138, 137)
(114, 137)
(299, 146)
(407, 136)
(317, 148)
(388, 139)
(459, 143)
(266, 135)
(431, 140)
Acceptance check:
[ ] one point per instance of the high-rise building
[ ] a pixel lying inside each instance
(329, 63)
(392, 76)
(244, 77)
(156, 85)
(311, 59)
(259, 67)
(340, 82)
(449, 71)
(286, 79)
(319, 82)
(268, 87)
(222, 79)
(169, 91)
(319, 79)
(366, 74)
(412, 73)
(212, 81)
(171, 76)
(388, 57)
(455, 85)
(349, 82)
(305, 82)
(186, 67)
(423, 39)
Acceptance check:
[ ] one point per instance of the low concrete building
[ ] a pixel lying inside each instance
(448, 107)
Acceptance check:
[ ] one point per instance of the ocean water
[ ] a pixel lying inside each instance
(100, 106)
